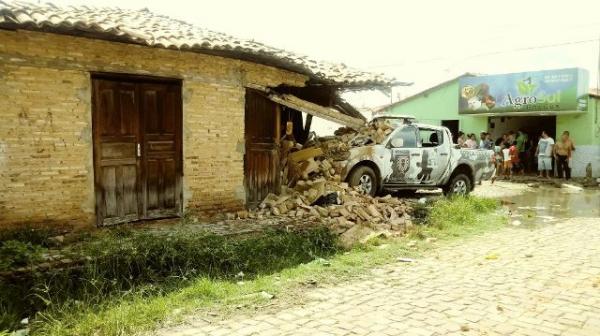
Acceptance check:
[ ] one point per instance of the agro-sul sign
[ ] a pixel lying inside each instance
(551, 90)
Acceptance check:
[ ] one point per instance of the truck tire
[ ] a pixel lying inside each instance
(365, 178)
(459, 185)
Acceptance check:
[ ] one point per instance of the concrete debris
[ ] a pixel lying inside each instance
(312, 190)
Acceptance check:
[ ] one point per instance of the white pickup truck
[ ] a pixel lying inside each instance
(417, 156)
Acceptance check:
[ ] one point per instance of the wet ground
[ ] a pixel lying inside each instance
(547, 205)
(532, 206)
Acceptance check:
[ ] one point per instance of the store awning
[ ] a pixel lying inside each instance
(316, 110)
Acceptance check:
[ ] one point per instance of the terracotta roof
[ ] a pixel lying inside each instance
(155, 30)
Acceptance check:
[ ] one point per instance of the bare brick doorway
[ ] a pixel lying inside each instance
(137, 135)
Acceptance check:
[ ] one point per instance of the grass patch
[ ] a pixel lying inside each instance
(148, 306)
(125, 265)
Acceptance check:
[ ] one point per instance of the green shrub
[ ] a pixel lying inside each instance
(17, 254)
(119, 263)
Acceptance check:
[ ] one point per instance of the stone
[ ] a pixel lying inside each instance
(376, 234)
(354, 235)
(373, 211)
(242, 214)
(266, 295)
(58, 239)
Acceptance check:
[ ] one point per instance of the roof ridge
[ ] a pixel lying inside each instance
(160, 30)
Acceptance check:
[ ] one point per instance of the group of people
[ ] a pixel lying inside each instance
(516, 153)
(470, 140)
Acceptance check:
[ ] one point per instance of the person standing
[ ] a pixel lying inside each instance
(471, 142)
(499, 161)
(563, 151)
(506, 161)
(522, 149)
(460, 140)
(514, 157)
(482, 136)
(488, 143)
(544, 153)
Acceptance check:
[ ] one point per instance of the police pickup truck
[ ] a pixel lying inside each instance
(417, 156)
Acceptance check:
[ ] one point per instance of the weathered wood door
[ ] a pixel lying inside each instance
(137, 149)
(261, 162)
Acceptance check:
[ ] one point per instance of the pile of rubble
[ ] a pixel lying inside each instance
(312, 190)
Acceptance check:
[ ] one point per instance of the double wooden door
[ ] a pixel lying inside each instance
(137, 149)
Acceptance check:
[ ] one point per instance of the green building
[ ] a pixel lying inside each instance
(553, 100)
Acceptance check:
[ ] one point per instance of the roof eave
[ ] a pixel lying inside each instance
(227, 53)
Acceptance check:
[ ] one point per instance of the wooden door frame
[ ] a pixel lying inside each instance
(135, 78)
(119, 76)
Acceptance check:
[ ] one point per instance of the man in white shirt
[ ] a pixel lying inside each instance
(544, 153)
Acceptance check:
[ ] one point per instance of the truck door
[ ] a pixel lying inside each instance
(435, 155)
(405, 155)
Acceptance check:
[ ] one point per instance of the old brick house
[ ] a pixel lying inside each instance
(112, 115)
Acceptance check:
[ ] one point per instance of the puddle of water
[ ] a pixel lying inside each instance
(548, 205)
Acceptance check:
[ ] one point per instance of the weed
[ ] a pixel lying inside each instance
(139, 281)
(18, 254)
(459, 211)
(126, 262)
(31, 234)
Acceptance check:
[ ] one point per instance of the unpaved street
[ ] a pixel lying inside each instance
(516, 281)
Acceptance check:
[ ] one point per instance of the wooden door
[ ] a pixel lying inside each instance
(137, 150)
(161, 115)
(261, 162)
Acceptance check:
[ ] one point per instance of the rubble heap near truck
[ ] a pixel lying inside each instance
(313, 192)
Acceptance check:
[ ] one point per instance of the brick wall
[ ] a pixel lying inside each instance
(46, 165)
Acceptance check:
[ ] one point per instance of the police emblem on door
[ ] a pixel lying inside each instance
(400, 165)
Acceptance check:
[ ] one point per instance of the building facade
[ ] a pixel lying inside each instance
(579, 114)
(106, 121)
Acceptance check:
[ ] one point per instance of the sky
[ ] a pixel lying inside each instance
(424, 42)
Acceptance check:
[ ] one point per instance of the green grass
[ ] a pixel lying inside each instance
(128, 265)
(142, 310)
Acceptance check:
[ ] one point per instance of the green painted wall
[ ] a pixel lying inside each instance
(442, 104)
(437, 105)
(584, 128)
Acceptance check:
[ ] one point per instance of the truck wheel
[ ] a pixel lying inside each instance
(459, 185)
(365, 178)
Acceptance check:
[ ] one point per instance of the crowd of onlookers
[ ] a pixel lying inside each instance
(518, 153)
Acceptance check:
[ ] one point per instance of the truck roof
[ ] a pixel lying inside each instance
(434, 127)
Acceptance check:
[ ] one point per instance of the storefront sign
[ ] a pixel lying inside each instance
(547, 91)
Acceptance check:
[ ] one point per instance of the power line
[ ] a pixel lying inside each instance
(491, 53)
